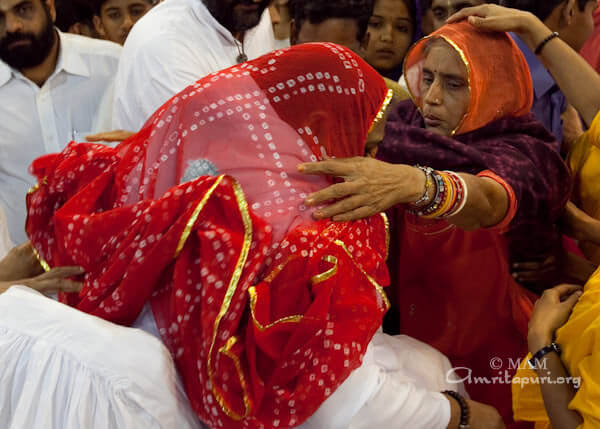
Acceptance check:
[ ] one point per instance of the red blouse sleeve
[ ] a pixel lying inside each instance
(512, 201)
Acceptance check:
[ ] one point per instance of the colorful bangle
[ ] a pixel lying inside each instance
(461, 195)
(445, 200)
(429, 182)
(440, 196)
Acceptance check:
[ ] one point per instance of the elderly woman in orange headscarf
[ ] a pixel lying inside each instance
(471, 178)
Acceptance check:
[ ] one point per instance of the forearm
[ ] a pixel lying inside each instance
(578, 81)
(486, 206)
(557, 389)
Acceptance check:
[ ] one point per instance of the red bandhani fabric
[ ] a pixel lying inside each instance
(265, 311)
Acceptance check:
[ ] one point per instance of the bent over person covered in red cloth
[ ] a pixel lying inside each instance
(198, 224)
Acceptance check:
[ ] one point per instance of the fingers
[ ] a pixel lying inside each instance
(466, 12)
(57, 285)
(356, 214)
(331, 167)
(572, 300)
(111, 136)
(62, 272)
(558, 293)
(342, 209)
(333, 192)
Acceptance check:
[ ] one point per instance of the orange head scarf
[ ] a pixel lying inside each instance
(499, 78)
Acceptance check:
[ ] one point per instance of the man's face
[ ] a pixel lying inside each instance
(441, 10)
(341, 31)
(237, 15)
(118, 16)
(26, 32)
(581, 26)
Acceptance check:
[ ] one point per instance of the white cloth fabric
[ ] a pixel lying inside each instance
(397, 386)
(37, 121)
(5, 242)
(81, 371)
(63, 369)
(173, 45)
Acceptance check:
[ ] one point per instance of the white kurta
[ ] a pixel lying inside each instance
(398, 385)
(175, 44)
(37, 121)
(5, 242)
(63, 369)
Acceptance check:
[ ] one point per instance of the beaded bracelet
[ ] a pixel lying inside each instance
(445, 200)
(464, 408)
(544, 42)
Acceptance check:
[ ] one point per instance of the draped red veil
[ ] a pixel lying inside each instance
(201, 213)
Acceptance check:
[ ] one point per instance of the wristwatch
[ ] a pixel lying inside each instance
(543, 352)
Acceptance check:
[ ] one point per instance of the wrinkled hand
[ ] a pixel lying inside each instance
(484, 416)
(492, 17)
(20, 263)
(55, 280)
(538, 275)
(110, 136)
(551, 312)
(370, 187)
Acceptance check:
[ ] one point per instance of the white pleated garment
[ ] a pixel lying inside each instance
(398, 385)
(63, 369)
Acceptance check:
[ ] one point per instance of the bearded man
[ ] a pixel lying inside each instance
(180, 41)
(51, 85)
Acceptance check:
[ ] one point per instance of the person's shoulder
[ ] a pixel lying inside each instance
(167, 19)
(92, 47)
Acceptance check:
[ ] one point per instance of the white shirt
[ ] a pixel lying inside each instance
(175, 44)
(36, 121)
(5, 243)
(396, 386)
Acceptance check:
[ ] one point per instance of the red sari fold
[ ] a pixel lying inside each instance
(265, 311)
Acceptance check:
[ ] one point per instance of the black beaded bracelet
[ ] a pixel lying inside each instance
(464, 408)
(543, 352)
(544, 42)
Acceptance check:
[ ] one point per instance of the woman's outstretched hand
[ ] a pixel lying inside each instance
(370, 187)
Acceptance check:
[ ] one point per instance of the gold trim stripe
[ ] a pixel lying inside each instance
(377, 286)
(41, 260)
(226, 350)
(386, 222)
(194, 217)
(231, 290)
(288, 319)
(253, 298)
(381, 113)
(329, 273)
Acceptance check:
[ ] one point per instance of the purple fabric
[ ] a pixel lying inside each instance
(519, 150)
